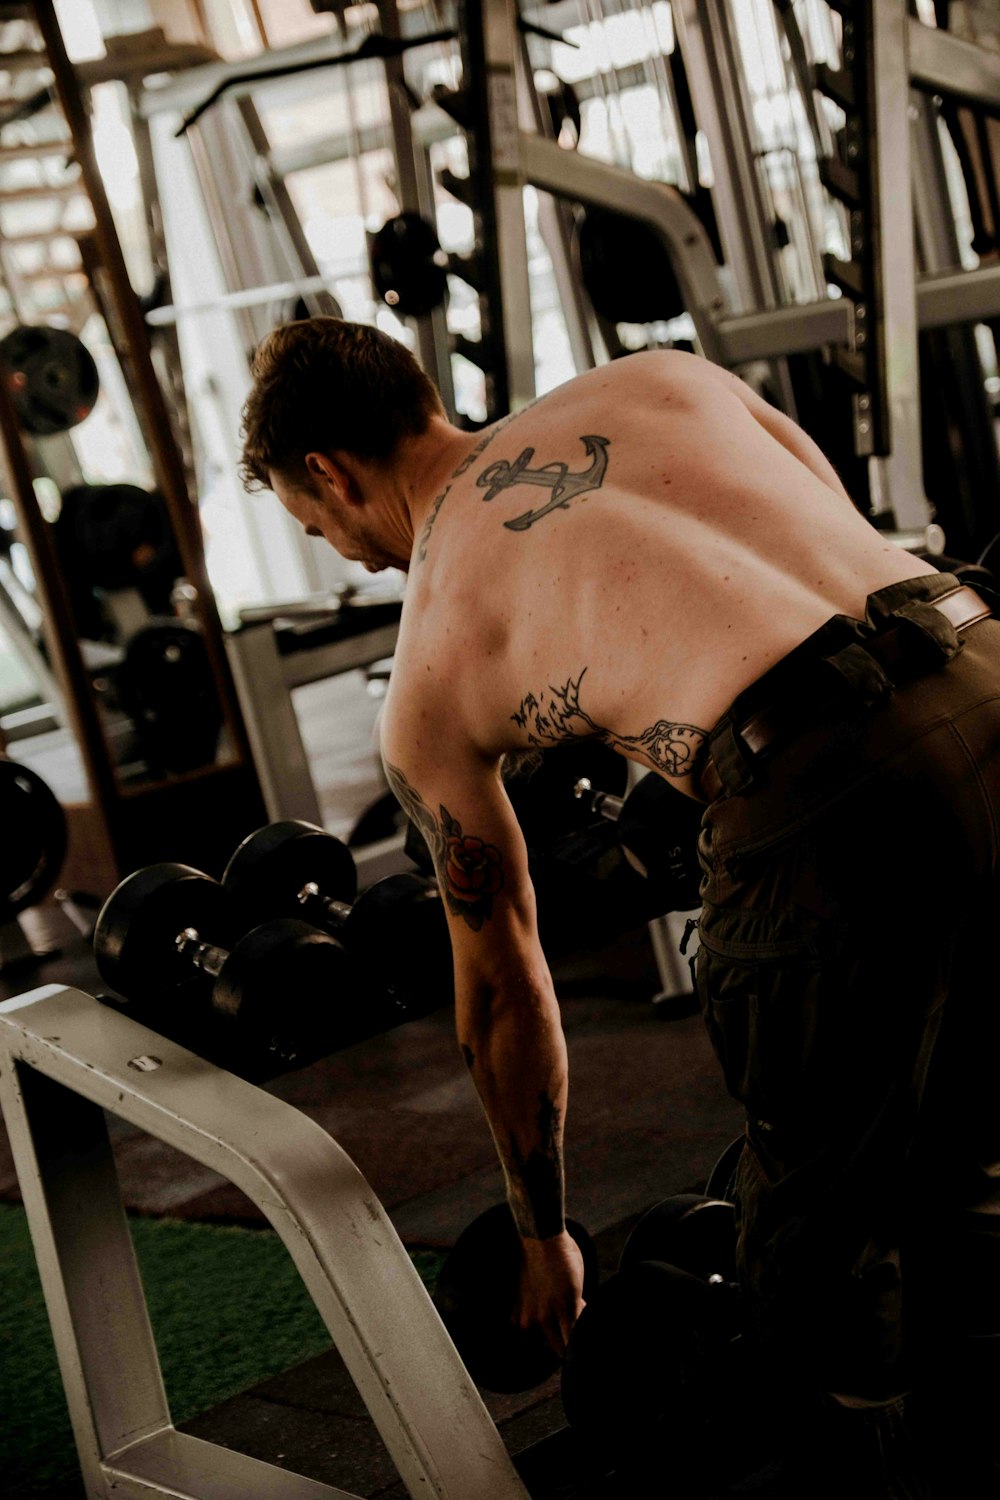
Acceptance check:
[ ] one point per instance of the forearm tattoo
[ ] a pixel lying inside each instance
(674, 749)
(470, 870)
(535, 1181)
(555, 477)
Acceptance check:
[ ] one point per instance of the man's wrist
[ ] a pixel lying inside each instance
(538, 1248)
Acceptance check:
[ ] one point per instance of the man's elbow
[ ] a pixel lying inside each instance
(486, 1000)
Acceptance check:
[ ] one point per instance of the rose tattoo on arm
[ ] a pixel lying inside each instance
(470, 870)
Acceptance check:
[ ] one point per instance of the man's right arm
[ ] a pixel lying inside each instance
(506, 1014)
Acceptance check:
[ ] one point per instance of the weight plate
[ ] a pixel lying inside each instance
(283, 986)
(51, 376)
(408, 267)
(271, 866)
(626, 268)
(168, 690)
(117, 536)
(397, 938)
(33, 843)
(659, 828)
(135, 939)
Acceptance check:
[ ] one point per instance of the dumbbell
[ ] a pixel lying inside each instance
(659, 1373)
(658, 828)
(476, 1295)
(541, 795)
(692, 1231)
(169, 939)
(395, 932)
(722, 1178)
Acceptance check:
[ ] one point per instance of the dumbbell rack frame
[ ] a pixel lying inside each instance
(64, 1060)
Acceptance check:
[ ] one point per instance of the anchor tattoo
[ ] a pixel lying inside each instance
(555, 477)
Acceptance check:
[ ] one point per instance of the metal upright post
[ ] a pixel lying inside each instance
(892, 247)
(705, 35)
(415, 191)
(150, 401)
(555, 227)
(490, 46)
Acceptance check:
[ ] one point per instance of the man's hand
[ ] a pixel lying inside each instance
(551, 1289)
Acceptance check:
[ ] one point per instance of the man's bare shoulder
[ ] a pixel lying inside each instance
(650, 372)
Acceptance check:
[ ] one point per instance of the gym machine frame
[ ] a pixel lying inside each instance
(728, 338)
(64, 1060)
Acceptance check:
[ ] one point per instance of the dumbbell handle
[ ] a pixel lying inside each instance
(603, 803)
(336, 912)
(204, 956)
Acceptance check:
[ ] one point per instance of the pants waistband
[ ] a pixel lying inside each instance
(909, 629)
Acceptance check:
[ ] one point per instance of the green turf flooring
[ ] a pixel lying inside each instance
(228, 1310)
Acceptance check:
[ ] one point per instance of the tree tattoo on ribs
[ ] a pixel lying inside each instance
(674, 749)
(470, 871)
(555, 477)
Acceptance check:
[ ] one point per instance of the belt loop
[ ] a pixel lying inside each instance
(731, 758)
(928, 632)
(861, 673)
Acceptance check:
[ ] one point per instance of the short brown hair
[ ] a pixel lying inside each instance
(320, 384)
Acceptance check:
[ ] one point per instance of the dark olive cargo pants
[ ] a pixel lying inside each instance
(849, 975)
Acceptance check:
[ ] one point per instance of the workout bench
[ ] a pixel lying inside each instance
(64, 1060)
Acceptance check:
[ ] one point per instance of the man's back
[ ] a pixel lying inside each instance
(624, 557)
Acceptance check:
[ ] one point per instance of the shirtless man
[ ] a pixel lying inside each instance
(652, 555)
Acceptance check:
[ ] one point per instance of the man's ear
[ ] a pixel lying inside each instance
(329, 474)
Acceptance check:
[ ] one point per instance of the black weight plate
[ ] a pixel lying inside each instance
(283, 986)
(409, 269)
(397, 937)
(694, 1233)
(382, 820)
(135, 939)
(476, 1296)
(167, 688)
(33, 837)
(722, 1178)
(626, 268)
(659, 828)
(117, 536)
(51, 376)
(270, 867)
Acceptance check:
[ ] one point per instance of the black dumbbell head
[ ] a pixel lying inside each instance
(397, 936)
(650, 1380)
(659, 828)
(33, 844)
(476, 1295)
(135, 940)
(694, 1233)
(283, 983)
(271, 866)
(722, 1178)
